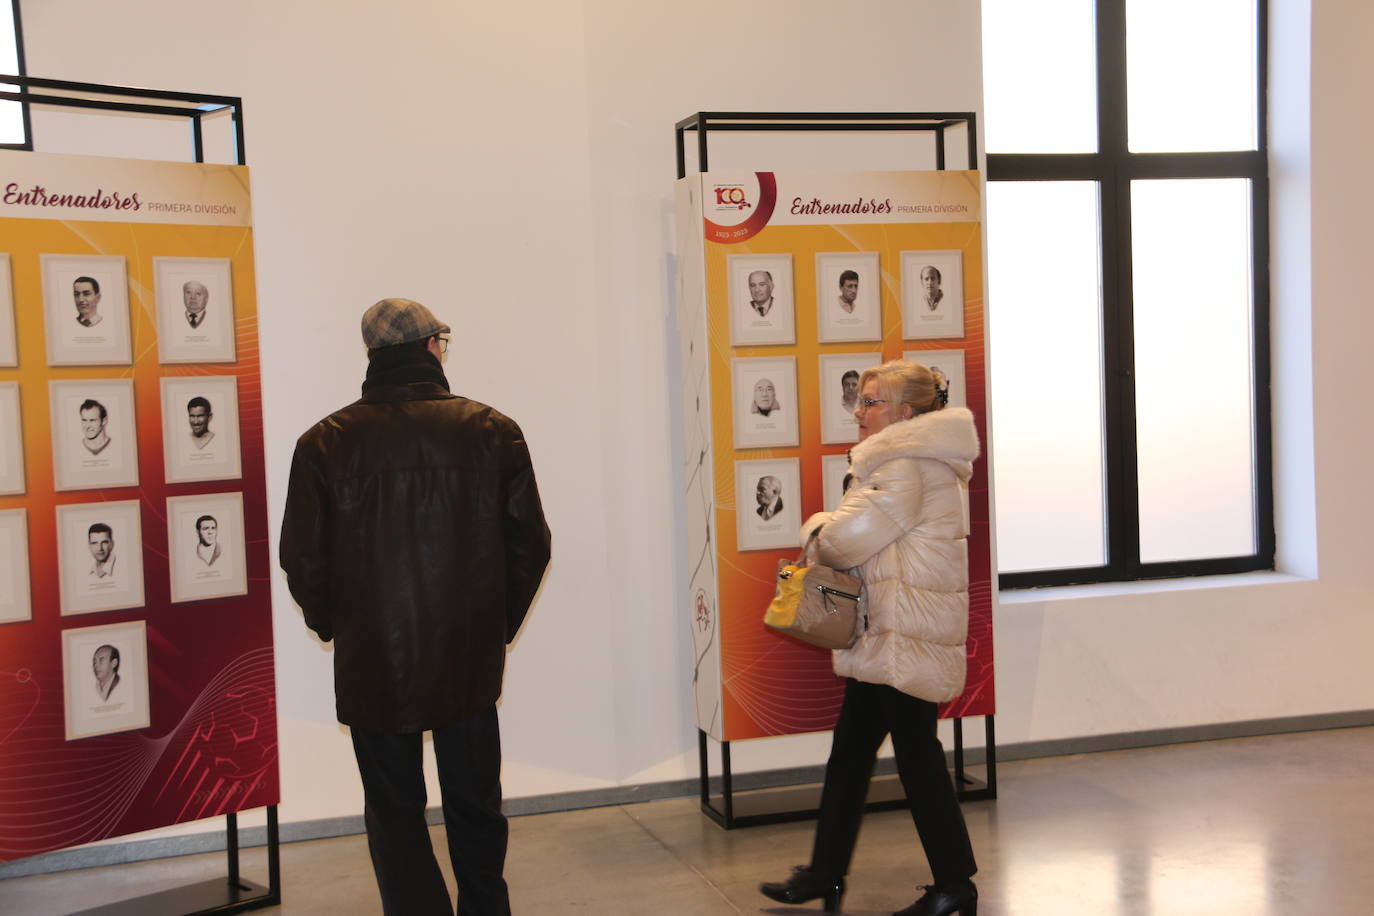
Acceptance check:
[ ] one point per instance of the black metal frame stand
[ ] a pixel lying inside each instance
(704, 122)
(193, 106)
(794, 803)
(754, 807)
(231, 894)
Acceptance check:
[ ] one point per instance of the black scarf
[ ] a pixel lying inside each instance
(403, 365)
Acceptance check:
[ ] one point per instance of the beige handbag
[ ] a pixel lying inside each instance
(816, 604)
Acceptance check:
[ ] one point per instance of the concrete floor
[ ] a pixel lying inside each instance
(1247, 827)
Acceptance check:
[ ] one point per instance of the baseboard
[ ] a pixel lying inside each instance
(141, 850)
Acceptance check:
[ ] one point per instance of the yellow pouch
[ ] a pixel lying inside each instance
(782, 610)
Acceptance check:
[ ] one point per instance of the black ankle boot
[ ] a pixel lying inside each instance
(804, 886)
(945, 900)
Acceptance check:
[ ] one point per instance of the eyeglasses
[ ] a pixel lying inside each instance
(443, 342)
(867, 403)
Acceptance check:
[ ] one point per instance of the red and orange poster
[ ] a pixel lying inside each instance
(791, 285)
(136, 669)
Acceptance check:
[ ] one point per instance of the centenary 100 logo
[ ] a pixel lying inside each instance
(741, 209)
(731, 197)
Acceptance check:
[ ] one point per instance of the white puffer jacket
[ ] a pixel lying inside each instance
(902, 528)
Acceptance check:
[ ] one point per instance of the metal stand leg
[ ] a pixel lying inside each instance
(727, 785)
(231, 894)
(965, 786)
(231, 847)
(777, 805)
(703, 770)
(990, 735)
(724, 815)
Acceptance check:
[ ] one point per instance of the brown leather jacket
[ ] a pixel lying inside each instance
(414, 538)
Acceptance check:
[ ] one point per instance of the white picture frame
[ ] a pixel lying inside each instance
(838, 423)
(777, 324)
(840, 319)
(833, 470)
(122, 705)
(11, 440)
(206, 560)
(94, 434)
(951, 363)
(923, 319)
(182, 285)
(757, 528)
(69, 298)
(200, 428)
(91, 581)
(15, 600)
(756, 425)
(9, 345)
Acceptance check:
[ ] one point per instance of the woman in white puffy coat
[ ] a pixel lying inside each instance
(902, 528)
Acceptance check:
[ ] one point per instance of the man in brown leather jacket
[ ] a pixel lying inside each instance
(414, 539)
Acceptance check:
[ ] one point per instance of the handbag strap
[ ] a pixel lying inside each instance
(801, 558)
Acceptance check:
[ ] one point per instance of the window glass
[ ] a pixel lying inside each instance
(1190, 70)
(1039, 78)
(1193, 371)
(11, 113)
(1045, 304)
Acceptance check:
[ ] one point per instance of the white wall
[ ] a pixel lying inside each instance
(511, 166)
(1085, 661)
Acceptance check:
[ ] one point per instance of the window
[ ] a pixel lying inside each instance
(13, 116)
(1128, 288)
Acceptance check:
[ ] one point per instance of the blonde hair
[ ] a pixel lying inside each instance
(906, 383)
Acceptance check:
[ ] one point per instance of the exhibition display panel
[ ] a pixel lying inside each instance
(135, 610)
(791, 284)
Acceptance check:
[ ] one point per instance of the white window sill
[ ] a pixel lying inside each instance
(1144, 587)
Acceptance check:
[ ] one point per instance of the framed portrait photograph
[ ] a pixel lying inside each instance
(9, 346)
(86, 309)
(195, 310)
(15, 603)
(762, 304)
(200, 428)
(205, 546)
(848, 296)
(951, 363)
(840, 394)
(765, 401)
(105, 679)
(100, 556)
(932, 294)
(768, 503)
(94, 437)
(11, 441)
(833, 469)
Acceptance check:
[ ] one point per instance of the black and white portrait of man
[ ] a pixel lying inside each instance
(768, 493)
(207, 540)
(765, 398)
(199, 415)
(196, 297)
(105, 667)
(86, 293)
(94, 418)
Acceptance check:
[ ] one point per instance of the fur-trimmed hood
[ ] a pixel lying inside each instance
(945, 435)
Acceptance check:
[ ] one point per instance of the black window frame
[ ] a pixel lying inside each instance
(1113, 167)
(27, 143)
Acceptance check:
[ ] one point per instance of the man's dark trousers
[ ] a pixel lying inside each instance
(469, 759)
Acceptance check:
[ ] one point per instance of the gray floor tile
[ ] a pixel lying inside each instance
(1250, 827)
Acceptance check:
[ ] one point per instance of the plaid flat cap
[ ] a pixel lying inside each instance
(398, 321)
